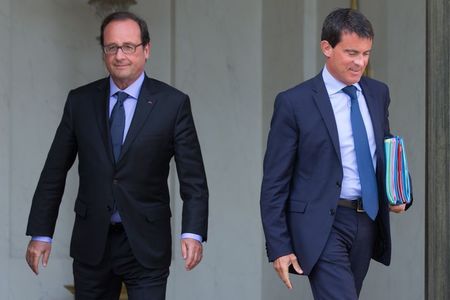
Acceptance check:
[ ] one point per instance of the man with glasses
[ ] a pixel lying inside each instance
(125, 129)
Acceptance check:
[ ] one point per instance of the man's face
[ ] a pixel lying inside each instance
(124, 68)
(349, 58)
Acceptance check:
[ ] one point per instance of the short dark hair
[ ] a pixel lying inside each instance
(345, 20)
(126, 15)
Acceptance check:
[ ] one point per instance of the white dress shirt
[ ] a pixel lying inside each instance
(341, 103)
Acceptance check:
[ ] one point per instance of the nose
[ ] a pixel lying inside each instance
(360, 60)
(119, 54)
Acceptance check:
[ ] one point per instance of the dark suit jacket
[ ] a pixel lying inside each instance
(162, 127)
(303, 171)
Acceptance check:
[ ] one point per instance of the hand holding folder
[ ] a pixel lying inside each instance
(398, 185)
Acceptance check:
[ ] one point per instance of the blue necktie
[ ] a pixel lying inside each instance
(117, 127)
(363, 157)
(117, 124)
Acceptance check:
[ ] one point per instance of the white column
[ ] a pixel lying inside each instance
(54, 49)
(5, 101)
(218, 63)
(399, 60)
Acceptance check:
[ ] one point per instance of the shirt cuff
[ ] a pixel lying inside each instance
(192, 236)
(45, 239)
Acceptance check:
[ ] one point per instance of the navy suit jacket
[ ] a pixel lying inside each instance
(303, 171)
(162, 128)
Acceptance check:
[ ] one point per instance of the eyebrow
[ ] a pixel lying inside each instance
(356, 51)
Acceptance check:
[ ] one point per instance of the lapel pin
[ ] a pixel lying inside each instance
(149, 102)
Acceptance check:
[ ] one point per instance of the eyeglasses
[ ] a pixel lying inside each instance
(126, 48)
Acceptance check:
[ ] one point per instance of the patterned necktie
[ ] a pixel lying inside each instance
(117, 124)
(366, 171)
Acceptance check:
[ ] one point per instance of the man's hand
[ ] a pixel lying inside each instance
(192, 252)
(397, 208)
(281, 265)
(36, 250)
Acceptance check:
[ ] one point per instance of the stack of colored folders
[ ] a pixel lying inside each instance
(398, 185)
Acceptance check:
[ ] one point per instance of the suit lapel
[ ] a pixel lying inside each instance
(147, 100)
(323, 103)
(101, 104)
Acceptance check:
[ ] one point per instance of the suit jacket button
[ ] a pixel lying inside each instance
(332, 212)
(108, 208)
(338, 184)
(115, 181)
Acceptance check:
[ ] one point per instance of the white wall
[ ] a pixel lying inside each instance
(218, 63)
(399, 60)
(52, 49)
(5, 94)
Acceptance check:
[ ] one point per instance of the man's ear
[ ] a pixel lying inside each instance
(326, 48)
(147, 50)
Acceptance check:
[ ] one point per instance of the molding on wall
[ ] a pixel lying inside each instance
(437, 246)
(106, 7)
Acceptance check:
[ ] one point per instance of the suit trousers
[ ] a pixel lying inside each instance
(344, 262)
(104, 281)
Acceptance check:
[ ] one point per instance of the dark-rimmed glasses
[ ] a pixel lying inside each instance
(126, 48)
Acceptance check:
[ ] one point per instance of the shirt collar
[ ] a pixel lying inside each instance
(132, 90)
(333, 85)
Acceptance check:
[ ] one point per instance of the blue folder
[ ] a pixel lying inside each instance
(398, 185)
